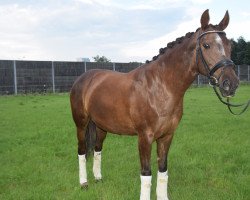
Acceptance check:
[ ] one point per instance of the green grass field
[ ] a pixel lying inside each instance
(209, 158)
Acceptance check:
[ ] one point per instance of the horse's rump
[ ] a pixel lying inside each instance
(104, 97)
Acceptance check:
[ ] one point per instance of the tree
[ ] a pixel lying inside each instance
(234, 51)
(247, 55)
(101, 59)
(240, 51)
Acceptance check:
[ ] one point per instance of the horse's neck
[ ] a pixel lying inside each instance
(177, 67)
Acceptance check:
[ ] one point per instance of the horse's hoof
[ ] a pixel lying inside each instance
(98, 180)
(84, 186)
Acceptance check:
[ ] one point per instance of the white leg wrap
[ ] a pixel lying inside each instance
(162, 184)
(97, 165)
(145, 187)
(82, 169)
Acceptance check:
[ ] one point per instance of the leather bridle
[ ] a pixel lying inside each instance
(214, 81)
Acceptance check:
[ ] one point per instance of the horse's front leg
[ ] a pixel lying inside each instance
(163, 145)
(145, 146)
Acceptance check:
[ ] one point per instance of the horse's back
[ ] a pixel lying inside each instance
(88, 81)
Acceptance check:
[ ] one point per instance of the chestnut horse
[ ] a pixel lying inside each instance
(148, 101)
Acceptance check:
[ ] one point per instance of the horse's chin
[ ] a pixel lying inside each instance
(227, 94)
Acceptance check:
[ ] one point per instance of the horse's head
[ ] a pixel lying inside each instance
(213, 55)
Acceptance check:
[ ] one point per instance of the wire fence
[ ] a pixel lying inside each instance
(21, 77)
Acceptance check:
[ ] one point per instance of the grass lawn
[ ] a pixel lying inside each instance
(209, 158)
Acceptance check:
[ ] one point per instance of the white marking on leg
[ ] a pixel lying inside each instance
(145, 187)
(82, 169)
(221, 48)
(97, 165)
(162, 184)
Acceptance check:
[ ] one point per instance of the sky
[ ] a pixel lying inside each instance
(121, 30)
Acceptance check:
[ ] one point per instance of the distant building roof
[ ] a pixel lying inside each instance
(83, 59)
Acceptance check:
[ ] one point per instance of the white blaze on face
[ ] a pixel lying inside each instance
(220, 45)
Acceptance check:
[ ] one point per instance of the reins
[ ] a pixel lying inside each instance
(229, 105)
(213, 81)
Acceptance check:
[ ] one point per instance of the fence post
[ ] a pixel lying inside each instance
(198, 82)
(85, 66)
(15, 80)
(53, 76)
(248, 70)
(113, 66)
(239, 71)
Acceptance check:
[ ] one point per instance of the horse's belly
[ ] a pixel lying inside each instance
(114, 124)
(112, 116)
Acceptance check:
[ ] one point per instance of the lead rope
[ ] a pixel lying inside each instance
(229, 105)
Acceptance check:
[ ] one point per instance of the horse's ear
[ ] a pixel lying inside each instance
(224, 22)
(205, 19)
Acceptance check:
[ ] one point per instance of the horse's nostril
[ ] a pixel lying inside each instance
(226, 85)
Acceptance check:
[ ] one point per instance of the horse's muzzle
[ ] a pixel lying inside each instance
(228, 88)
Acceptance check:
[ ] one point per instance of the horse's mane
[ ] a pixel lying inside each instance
(179, 40)
(172, 44)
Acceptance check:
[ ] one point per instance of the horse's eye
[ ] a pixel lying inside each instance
(206, 46)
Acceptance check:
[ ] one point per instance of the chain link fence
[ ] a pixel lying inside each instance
(21, 77)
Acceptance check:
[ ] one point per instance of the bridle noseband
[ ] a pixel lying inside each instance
(213, 81)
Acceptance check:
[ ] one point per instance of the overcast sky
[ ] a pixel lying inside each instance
(122, 30)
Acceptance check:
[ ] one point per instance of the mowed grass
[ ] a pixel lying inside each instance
(209, 157)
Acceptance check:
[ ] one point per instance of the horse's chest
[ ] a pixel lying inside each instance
(168, 119)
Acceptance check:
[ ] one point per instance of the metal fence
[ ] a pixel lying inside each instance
(242, 71)
(18, 77)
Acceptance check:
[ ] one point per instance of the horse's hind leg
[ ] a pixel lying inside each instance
(100, 137)
(82, 157)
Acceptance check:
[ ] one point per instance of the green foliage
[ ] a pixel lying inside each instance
(240, 51)
(135, 63)
(247, 54)
(209, 156)
(101, 59)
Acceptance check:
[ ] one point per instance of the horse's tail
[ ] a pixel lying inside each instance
(90, 138)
